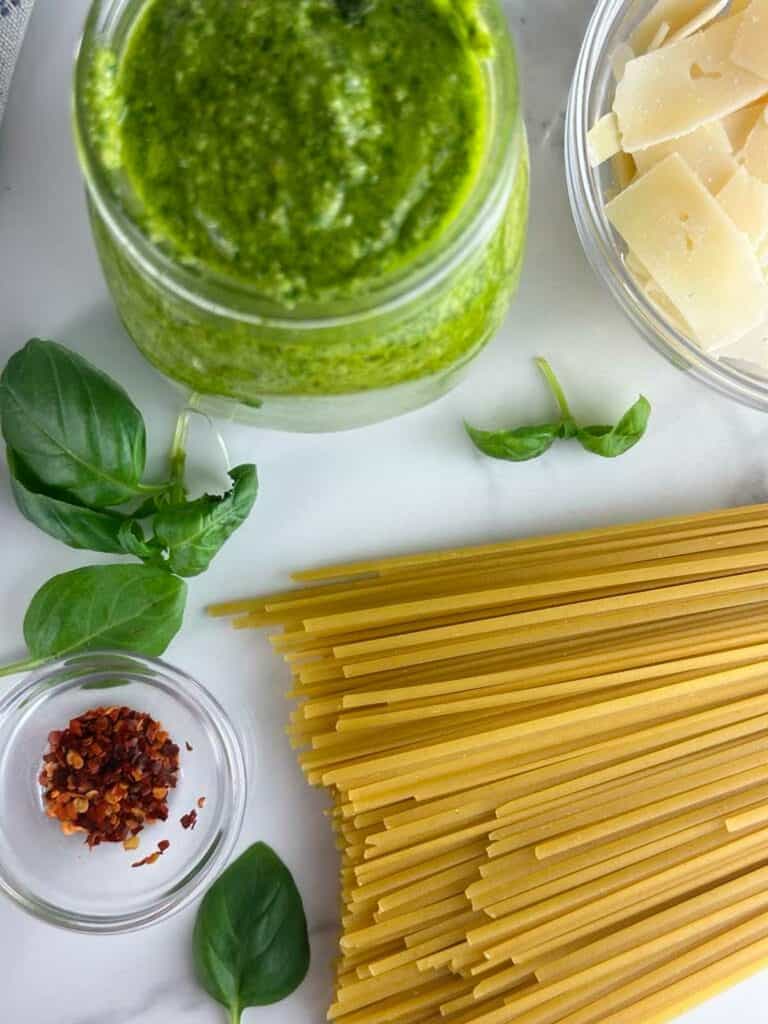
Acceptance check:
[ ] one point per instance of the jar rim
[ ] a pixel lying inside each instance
(602, 246)
(221, 296)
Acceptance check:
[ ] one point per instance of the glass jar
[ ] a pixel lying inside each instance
(332, 366)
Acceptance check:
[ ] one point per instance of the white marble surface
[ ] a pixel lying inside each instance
(399, 486)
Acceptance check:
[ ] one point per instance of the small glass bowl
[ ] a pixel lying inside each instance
(592, 96)
(56, 877)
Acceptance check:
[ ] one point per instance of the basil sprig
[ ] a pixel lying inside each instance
(521, 444)
(76, 451)
(250, 941)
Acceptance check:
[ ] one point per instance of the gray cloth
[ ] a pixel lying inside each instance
(14, 15)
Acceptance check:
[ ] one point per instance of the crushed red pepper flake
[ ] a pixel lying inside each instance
(189, 746)
(108, 775)
(146, 860)
(152, 858)
(189, 820)
(201, 802)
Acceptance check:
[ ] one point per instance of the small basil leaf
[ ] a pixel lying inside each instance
(250, 940)
(610, 442)
(130, 607)
(58, 515)
(518, 445)
(193, 533)
(74, 427)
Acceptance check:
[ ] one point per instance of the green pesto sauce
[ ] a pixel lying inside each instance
(310, 148)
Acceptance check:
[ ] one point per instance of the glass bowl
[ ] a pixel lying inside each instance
(56, 877)
(591, 96)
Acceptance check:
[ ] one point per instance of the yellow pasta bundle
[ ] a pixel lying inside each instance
(548, 761)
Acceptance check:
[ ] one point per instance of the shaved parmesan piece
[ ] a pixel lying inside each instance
(622, 55)
(624, 169)
(745, 200)
(677, 89)
(661, 34)
(750, 50)
(755, 153)
(752, 348)
(676, 13)
(669, 311)
(741, 122)
(707, 151)
(704, 265)
(702, 19)
(604, 140)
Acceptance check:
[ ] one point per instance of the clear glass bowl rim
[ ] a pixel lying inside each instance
(600, 243)
(473, 227)
(210, 860)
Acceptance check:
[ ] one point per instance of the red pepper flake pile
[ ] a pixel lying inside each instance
(108, 775)
(189, 820)
(162, 846)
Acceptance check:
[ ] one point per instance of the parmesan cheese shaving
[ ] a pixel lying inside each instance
(676, 13)
(745, 200)
(755, 152)
(703, 264)
(707, 151)
(674, 90)
(741, 122)
(751, 47)
(604, 140)
(622, 55)
(701, 20)
(661, 34)
(624, 169)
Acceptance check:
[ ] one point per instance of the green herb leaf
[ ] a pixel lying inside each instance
(60, 516)
(610, 442)
(131, 607)
(518, 445)
(250, 941)
(192, 534)
(74, 427)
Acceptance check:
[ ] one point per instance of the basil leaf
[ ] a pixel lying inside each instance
(131, 607)
(58, 515)
(250, 941)
(193, 533)
(74, 427)
(611, 442)
(518, 445)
